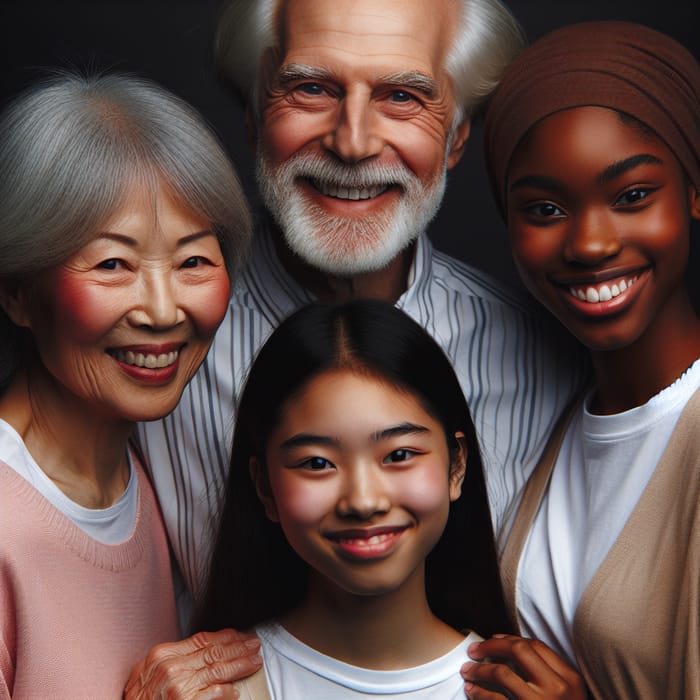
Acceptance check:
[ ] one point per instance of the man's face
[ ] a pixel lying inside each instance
(355, 128)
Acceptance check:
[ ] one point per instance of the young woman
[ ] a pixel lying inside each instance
(356, 538)
(593, 147)
(120, 221)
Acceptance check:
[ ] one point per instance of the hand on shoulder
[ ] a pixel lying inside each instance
(519, 668)
(202, 666)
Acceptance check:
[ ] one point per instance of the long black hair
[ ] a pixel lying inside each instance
(255, 574)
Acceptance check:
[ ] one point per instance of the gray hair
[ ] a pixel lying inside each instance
(487, 39)
(72, 147)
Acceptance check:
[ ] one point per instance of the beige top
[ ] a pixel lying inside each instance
(637, 627)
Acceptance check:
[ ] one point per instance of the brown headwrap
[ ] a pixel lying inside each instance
(620, 65)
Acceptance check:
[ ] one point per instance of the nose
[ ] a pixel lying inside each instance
(157, 305)
(364, 493)
(354, 135)
(592, 237)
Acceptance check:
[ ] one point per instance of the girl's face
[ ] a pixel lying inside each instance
(598, 216)
(125, 322)
(360, 480)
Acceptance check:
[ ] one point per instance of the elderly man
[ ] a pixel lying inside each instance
(359, 109)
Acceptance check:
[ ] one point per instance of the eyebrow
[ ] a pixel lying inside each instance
(609, 174)
(623, 166)
(308, 439)
(292, 72)
(537, 181)
(398, 431)
(413, 80)
(132, 242)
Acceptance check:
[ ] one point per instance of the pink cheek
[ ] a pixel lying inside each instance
(423, 495)
(212, 303)
(301, 504)
(285, 137)
(83, 309)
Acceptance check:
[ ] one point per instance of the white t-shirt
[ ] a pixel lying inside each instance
(603, 467)
(295, 670)
(110, 525)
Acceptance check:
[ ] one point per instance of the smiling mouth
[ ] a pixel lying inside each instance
(605, 291)
(147, 360)
(367, 541)
(352, 193)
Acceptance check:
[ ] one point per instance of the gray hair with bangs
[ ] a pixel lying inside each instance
(487, 39)
(72, 147)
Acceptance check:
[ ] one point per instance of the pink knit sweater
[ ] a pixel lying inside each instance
(76, 614)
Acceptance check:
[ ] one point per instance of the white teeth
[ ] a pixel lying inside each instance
(353, 193)
(367, 541)
(594, 295)
(149, 361)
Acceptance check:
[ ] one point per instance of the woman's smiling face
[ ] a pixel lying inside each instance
(360, 481)
(598, 215)
(126, 321)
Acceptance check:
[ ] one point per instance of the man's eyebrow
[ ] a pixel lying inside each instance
(414, 80)
(291, 72)
(623, 166)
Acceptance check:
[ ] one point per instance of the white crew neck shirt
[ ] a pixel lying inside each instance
(295, 670)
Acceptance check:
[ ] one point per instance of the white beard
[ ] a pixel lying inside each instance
(345, 246)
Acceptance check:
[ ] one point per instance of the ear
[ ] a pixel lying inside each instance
(262, 488)
(459, 143)
(13, 301)
(694, 201)
(458, 467)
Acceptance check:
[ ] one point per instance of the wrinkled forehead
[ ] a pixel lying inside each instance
(410, 34)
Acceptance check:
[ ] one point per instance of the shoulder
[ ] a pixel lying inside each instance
(254, 687)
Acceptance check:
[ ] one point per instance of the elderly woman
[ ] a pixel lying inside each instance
(121, 220)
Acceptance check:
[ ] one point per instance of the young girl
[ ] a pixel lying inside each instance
(349, 461)
(593, 146)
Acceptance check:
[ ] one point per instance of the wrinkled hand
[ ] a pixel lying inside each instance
(519, 668)
(201, 667)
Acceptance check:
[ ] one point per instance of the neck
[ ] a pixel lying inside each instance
(81, 451)
(386, 632)
(387, 284)
(630, 376)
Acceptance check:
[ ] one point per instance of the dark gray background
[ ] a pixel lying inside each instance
(169, 40)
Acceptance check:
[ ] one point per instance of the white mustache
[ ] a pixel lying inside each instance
(359, 176)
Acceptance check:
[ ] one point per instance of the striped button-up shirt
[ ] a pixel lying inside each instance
(516, 375)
